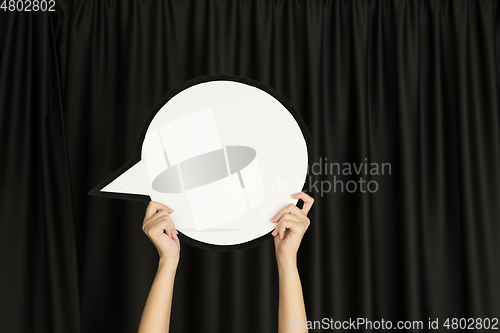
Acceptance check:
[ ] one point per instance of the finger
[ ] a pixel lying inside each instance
(168, 228)
(166, 225)
(308, 201)
(161, 215)
(293, 218)
(154, 207)
(154, 227)
(295, 227)
(282, 228)
(289, 209)
(277, 230)
(171, 232)
(160, 222)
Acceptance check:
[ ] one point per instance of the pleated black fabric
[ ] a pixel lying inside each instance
(38, 268)
(411, 83)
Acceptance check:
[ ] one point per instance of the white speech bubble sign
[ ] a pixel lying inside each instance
(226, 153)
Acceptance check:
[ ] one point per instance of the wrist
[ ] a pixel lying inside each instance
(288, 262)
(168, 262)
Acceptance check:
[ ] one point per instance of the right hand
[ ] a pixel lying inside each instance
(292, 224)
(160, 229)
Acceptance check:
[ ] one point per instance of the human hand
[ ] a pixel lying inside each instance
(160, 229)
(292, 224)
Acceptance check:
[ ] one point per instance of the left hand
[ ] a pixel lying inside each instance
(159, 227)
(292, 224)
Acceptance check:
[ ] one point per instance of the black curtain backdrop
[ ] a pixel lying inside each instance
(411, 83)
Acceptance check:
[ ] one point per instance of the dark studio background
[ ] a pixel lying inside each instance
(411, 83)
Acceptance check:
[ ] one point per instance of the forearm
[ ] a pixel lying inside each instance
(291, 301)
(156, 315)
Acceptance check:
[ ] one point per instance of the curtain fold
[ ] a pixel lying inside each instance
(414, 84)
(39, 279)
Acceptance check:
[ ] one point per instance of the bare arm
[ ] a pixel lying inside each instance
(159, 227)
(292, 224)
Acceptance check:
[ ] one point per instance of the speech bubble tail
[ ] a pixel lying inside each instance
(131, 183)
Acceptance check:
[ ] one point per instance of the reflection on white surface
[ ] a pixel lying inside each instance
(189, 136)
